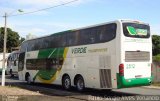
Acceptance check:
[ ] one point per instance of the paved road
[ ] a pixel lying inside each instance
(89, 94)
(140, 91)
(134, 90)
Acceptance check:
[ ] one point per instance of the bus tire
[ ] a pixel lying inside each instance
(11, 73)
(66, 82)
(28, 78)
(80, 85)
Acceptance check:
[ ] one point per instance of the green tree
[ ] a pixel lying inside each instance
(12, 39)
(156, 44)
(22, 39)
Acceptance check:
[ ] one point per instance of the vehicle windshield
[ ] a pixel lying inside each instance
(136, 30)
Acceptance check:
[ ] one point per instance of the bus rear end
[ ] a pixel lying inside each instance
(135, 55)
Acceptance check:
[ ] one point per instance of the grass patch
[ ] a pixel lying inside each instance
(156, 84)
(11, 86)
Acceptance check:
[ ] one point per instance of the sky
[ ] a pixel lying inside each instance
(80, 13)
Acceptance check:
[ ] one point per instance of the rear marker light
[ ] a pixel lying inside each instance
(121, 69)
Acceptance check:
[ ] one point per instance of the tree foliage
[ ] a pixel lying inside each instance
(12, 39)
(21, 40)
(156, 44)
(156, 58)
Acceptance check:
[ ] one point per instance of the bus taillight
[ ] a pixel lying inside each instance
(121, 69)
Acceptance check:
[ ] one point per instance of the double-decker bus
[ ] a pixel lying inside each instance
(116, 54)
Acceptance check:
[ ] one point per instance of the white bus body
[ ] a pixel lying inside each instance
(99, 61)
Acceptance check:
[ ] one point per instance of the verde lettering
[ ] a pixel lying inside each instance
(79, 50)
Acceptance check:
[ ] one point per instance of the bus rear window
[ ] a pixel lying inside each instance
(136, 30)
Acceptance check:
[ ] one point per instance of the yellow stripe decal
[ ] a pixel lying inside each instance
(57, 72)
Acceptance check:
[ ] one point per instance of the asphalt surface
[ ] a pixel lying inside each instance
(54, 91)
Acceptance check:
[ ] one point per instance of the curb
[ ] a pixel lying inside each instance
(152, 87)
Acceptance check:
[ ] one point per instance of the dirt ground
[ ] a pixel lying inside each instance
(9, 90)
(10, 93)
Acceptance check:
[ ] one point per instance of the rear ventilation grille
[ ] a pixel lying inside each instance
(104, 62)
(105, 78)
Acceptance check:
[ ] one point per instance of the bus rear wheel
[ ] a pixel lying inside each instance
(80, 83)
(66, 82)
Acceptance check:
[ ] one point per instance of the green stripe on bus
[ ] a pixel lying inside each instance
(48, 76)
(51, 53)
(124, 83)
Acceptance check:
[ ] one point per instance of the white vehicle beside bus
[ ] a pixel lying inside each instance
(116, 54)
(1, 61)
(12, 63)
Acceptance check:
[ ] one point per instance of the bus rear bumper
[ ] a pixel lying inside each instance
(132, 82)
